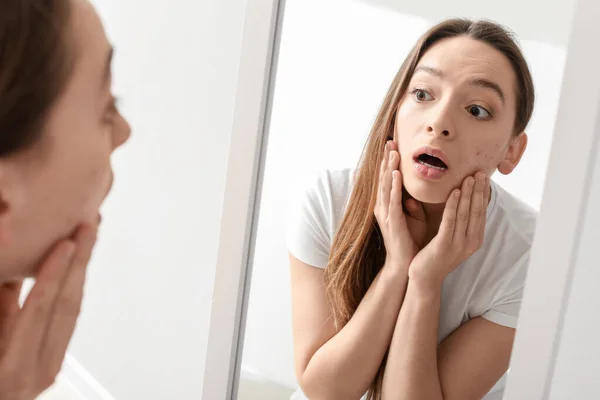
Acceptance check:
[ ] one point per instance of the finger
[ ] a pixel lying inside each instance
(9, 308)
(68, 304)
(477, 208)
(464, 206)
(387, 184)
(9, 300)
(449, 218)
(486, 199)
(384, 163)
(32, 321)
(396, 213)
(382, 175)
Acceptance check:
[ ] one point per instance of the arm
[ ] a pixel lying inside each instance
(411, 370)
(474, 358)
(468, 363)
(341, 365)
(464, 366)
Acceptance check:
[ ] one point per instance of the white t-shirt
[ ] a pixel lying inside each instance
(488, 284)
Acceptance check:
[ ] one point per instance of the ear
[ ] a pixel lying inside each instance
(513, 154)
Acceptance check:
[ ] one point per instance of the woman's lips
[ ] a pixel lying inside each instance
(426, 165)
(429, 172)
(433, 152)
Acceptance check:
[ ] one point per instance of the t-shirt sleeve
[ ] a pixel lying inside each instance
(505, 310)
(309, 218)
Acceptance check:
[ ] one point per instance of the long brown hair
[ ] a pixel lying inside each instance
(357, 253)
(35, 65)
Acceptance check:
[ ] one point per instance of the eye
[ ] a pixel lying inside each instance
(421, 95)
(479, 112)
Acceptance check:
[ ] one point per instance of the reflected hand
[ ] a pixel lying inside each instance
(460, 235)
(389, 211)
(34, 339)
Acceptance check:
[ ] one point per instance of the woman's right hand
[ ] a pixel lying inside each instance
(34, 339)
(399, 243)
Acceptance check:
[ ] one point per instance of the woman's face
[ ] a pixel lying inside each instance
(48, 191)
(456, 118)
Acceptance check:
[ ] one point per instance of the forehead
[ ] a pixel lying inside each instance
(91, 44)
(462, 58)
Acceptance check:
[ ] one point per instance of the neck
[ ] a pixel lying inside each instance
(433, 216)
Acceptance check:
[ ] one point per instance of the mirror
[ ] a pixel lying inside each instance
(141, 333)
(335, 63)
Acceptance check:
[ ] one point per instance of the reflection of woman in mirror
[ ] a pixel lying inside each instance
(396, 290)
(58, 128)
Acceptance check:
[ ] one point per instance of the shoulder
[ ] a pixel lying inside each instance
(497, 272)
(513, 218)
(336, 180)
(316, 209)
(509, 233)
(328, 189)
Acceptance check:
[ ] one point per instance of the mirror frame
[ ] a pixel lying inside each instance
(553, 254)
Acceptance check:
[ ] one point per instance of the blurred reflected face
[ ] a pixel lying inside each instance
(62, 181)
(457, 118)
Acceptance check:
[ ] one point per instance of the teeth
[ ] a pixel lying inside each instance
(432, 166)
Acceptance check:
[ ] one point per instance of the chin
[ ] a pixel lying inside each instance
(428, 192)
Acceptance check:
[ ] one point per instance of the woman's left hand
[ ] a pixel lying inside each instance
(460, 234)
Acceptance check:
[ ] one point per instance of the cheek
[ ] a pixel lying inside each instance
(98, 178)
(407, 124)
(89, 183)
(487, 157)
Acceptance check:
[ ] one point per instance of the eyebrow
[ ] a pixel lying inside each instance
(430, 70)
(484, 83)
(107, 67)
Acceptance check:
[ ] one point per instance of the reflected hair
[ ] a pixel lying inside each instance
(34, 68)
(357, 256)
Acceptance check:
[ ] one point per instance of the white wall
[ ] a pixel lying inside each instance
(577, 365)
(336, 61)
(144, 326)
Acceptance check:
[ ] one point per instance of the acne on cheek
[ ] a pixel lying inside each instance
(484, 160)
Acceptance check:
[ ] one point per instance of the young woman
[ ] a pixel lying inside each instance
(407, 274)
(58, 128)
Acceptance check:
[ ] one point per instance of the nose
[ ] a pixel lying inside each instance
(433, 131)
(121, 133)
(440, 121)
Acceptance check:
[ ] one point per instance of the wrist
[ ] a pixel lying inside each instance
(425, 279)
(429, 290)
(397, 267)
(394, 272)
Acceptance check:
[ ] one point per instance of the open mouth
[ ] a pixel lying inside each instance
(431, 161)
